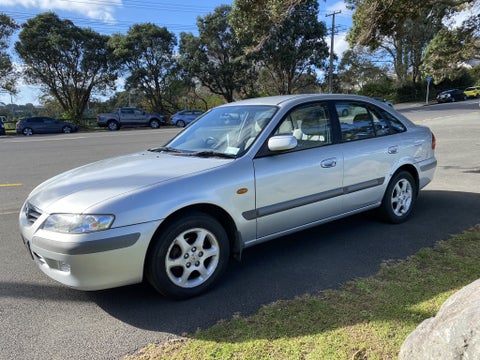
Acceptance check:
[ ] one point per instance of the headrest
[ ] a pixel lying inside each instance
(361, 117)
(313, 126)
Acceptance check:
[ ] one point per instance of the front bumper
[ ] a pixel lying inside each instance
(91, 261)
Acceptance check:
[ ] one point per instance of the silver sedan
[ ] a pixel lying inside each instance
(241, 174)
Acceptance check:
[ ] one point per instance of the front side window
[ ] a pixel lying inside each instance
(309, 124)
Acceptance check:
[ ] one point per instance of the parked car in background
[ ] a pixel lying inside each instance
(184, 117)
(129, 116)
(43, 125)
(2, 125)
(243, 173)
(451, 96)
(472, 91)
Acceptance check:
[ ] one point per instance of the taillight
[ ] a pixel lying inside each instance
(434, 142)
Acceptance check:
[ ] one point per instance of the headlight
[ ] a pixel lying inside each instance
(77, 224)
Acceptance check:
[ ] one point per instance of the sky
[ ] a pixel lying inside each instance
(117, 16)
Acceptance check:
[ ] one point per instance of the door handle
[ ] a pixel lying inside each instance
(393, 149)
(328, 163)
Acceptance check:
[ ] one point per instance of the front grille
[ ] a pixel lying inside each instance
(32, 213)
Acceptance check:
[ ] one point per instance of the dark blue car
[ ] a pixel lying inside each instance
(43, 125)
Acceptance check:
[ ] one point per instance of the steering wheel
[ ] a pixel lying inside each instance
(211, 141)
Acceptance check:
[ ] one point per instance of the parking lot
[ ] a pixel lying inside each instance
(41, 319)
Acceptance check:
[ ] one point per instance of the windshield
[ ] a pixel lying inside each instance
(225, 131)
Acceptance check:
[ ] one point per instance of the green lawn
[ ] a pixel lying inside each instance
(366, 319)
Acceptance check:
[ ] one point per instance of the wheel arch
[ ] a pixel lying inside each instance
(413, 171)
(216, 212)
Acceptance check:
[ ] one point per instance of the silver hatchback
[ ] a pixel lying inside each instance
(244, 173)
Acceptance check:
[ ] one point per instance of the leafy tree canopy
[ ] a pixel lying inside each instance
(7, 74)
(216, 57)
(373, 20)
(251, 20)
(146, 52)
(295, 47)
(67, 61)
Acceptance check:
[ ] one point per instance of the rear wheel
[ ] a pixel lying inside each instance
(27, 132)
(188, 257)
(181, 123)
(66, 130)
(399, 198)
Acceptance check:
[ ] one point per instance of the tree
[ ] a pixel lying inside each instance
(452, 48)
(251, 20)
(294, 48)
(402, 28)
(147, 54)
(7, 73)
(68, 62)
(357, 69)
(216, 58)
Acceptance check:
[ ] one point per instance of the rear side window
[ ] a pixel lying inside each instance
(364, 121)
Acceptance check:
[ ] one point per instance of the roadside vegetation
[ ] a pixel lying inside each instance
(367, 318)
(243, 50)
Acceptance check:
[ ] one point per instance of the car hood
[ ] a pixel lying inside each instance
(77, 190)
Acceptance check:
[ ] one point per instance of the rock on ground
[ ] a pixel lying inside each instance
(454, 333)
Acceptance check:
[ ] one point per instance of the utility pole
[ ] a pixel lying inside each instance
(330, 68)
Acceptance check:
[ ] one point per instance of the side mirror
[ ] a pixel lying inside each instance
(282, 142)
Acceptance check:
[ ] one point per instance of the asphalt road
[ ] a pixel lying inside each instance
(40, 319)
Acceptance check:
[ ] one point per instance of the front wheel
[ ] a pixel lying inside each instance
(113, 125)
(154, 124)
(188, 257)
(66, 130)
(399, 198)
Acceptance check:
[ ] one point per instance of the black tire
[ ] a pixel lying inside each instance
(154, 123)
(400, 197)
(27, 131)
(181, 123)
(66, 130)
(113, 125)
(188, 256)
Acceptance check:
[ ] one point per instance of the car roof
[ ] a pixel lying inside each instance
(281, 100)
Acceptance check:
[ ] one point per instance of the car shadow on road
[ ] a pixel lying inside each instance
(320, 258)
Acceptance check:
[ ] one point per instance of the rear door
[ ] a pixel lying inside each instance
(127, 116)
(300, 186)
(139, 118)
(371, 148)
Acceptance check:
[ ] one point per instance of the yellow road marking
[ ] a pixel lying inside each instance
(9, 185)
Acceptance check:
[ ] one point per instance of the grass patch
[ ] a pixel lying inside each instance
(368, 318)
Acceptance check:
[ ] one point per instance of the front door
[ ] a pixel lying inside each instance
(304, 185)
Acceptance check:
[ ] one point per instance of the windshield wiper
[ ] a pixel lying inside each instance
(212, 154)
(166, 149)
